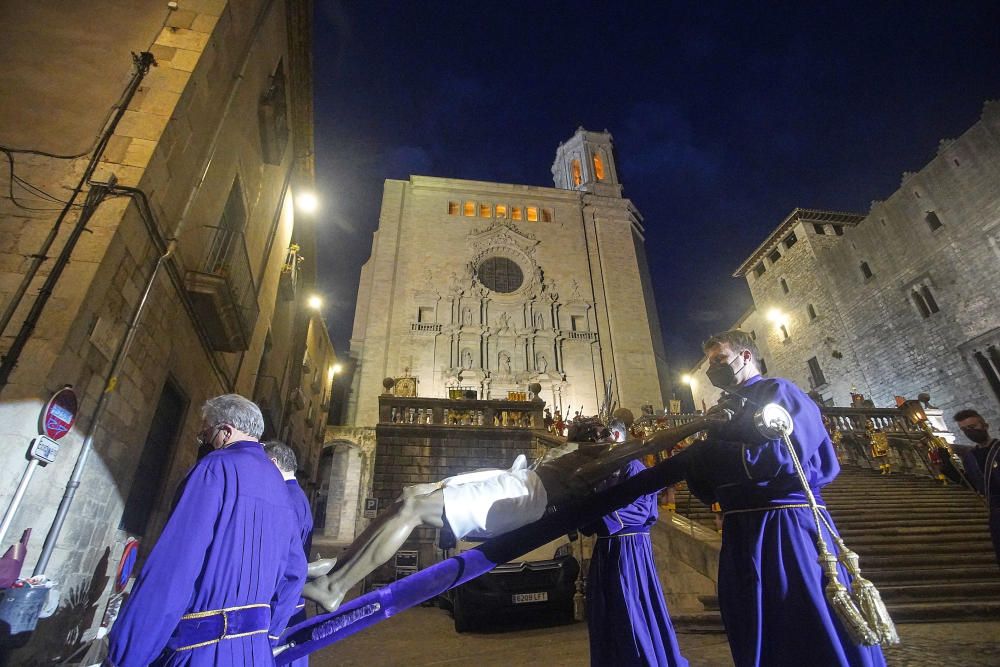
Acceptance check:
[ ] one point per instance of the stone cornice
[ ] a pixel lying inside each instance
(806, 215)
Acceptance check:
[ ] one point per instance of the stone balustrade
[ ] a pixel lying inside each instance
(422, 411)
(908, 445)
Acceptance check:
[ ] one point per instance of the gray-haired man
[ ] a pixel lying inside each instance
(230, 549)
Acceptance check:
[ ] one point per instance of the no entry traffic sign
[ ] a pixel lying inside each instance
(59, 414)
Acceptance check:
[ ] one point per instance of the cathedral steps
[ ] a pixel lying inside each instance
(925, 545)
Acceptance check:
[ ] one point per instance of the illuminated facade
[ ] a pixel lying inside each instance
(490, 287)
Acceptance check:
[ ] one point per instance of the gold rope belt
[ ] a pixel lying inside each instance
(771, 507)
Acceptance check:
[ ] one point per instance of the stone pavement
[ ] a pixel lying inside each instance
(425, 636)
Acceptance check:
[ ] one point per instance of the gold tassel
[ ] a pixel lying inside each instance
(873, 609)
(579, 607)
(843, 604)
(863, 616)
(868, 599)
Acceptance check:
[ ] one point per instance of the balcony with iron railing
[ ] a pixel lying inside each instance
(223, 293)
(289, 279)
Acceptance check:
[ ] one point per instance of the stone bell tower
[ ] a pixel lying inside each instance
(586, 162)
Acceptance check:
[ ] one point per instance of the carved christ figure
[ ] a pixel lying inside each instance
(486, 503)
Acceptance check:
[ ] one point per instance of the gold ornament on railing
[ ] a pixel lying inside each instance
(879, 442)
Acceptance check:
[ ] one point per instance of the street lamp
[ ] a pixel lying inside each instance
(315, 302)
(306, 202)
(777, 317)
(334, 369)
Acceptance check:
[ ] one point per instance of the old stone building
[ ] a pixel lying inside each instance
(152, 255)
(900, 301)
(490, 287)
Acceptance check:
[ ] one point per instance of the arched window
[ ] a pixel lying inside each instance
(929, 299)
(485, 210)
(811, 311)
(501, 210)
(598, 167)
(866, 270)
(515, 213)
(532, 214)
(933, 221)
(575, 170)
(469, 209)
(784, 285)
(453, 208)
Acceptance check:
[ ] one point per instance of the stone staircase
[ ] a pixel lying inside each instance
(925, 546)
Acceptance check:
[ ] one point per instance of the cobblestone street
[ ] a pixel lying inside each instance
(426, 636)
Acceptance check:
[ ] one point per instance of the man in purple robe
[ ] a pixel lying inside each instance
(225, 575)
(770, 583)
(627, 618)
(284, 459)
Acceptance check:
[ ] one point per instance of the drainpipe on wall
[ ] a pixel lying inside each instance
(167, 251)
(142, 63)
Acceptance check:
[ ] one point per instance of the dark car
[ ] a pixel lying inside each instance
(529, 587)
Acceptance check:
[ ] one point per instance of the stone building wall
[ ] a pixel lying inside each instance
(906, 294)
(952, 257)
(183, 140)
(801, 319)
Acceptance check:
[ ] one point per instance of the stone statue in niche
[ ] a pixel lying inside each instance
(542, 364)
(467, 359)
(539, 321)
(466, 315)
(454, 283)
(503, 322)
(504, 363)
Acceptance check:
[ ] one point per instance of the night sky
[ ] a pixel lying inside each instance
(724, 116)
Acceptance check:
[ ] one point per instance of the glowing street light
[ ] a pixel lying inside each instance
(307, 202)
(688, 380)
(334, 369)
(315, 302)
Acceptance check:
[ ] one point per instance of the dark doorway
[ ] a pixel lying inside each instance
(152, 468)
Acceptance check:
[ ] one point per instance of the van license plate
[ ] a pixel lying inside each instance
(520, 598)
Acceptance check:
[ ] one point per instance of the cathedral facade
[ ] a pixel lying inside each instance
(490, 287)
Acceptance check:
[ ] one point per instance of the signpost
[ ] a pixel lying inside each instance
(54, 422)
(371, 508)
(59, 414)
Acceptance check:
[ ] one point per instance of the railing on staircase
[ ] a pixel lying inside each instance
(885, 439)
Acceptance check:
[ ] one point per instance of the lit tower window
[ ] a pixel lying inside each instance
(598, 167)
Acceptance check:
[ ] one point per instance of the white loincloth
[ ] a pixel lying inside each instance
(487, 503)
